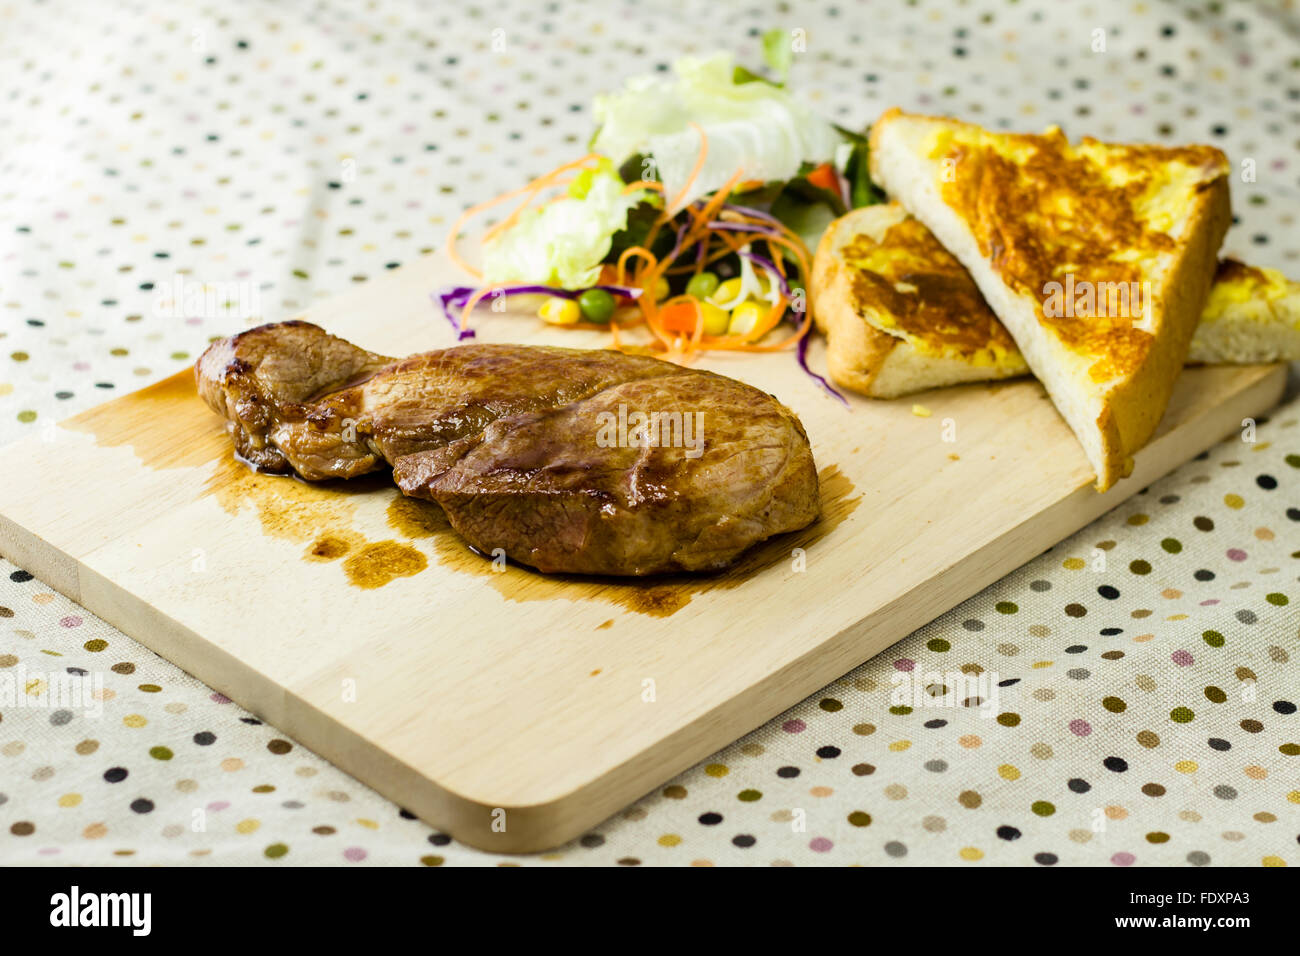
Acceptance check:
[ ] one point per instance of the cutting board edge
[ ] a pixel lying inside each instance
(43, 560)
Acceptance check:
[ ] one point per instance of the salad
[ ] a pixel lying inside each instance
(691, 217)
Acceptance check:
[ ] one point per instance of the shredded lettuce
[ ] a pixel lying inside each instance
(564, 243)
(755, 126)
(808, 220)
(778, 53)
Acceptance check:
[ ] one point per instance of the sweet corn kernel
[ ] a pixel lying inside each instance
(745, 316)
(558, 311)
(726, 291)
(716, 321)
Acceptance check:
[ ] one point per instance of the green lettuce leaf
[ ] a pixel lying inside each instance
(862, 189)
(754, 126)
(807, 209)
(564, 243)
(778, 53)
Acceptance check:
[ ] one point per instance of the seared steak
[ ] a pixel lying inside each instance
(528, 449)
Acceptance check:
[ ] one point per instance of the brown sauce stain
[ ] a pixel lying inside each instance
(332, 546)
(158, 423)
(380, 562)
(289, 508)
(167, 426)
(417, 519)
(321, 514)
(659, 596)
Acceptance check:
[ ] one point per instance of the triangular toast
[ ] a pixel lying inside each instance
(1252, 317)
(901, 315)
(1096, 257)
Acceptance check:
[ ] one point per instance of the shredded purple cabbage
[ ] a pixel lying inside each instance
(744, 227)
(458, 297)
(802, 353)
(628, 291)
(751, 211)
(770, 268)
(802, 350)
(677, 246)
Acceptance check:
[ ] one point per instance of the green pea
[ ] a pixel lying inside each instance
(597, 305)
(703, 285)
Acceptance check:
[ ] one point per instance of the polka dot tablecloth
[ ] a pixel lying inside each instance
(1139, 681)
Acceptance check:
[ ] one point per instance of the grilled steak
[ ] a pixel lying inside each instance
(536, 451)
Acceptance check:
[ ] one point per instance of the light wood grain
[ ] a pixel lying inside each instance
(484, 696)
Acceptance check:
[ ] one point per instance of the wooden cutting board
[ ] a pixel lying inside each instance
(511, 709)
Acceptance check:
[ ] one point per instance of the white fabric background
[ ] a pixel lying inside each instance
(301, 148)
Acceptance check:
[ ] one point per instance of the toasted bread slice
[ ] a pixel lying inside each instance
(901, 315)
(1252, 316)
(1096, 257)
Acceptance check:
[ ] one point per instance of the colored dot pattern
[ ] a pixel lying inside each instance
(1129, 698)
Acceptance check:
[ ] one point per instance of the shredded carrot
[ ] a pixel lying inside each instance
(630, 251)
(643, 184)
(675, 347)
(729, 247)
(797, 248)
(650, 309)
(672, 209)
(777, 259)
(513, 218)
(713, 205)
(535, 186)
(700, 229)
(785, 343)
(701, 217)
(698, 334)
(653, 234)
(646, 281)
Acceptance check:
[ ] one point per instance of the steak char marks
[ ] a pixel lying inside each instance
(508, 440)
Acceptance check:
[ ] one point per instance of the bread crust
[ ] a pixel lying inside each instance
(1126, 411)
(1135, 405)
(893, 332)
(856, 351)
